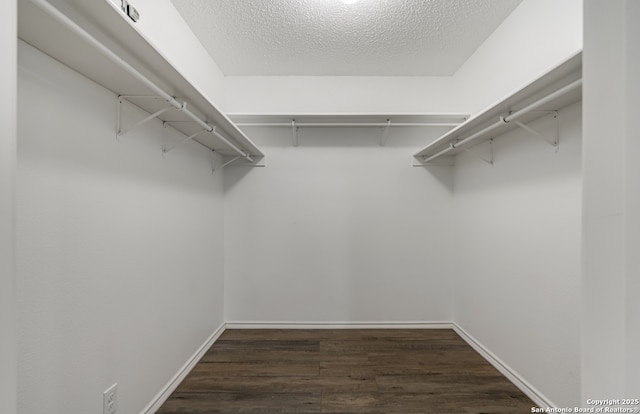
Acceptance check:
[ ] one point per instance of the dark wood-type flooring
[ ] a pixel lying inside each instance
(390, 371)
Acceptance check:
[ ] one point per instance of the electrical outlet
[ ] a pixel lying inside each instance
(110, 400)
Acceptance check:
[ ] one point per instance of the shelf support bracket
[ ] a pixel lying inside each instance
(213, 162)
(294, 128)
(489, 160)
(189, 138)
(231, 161)
(421, 163)
(241, 164)
(121, 98)
(555, 142)
(385, 134)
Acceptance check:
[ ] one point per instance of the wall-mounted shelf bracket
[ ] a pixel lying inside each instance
(213, 130)
(487, 160)
(120, 59)
(425, 160)
(187, 139)
(213, 161)
(294, 128)
(555, 142)
(385, 134)
(446, 161)
(556, 89)
(233, 163)
(121, 98)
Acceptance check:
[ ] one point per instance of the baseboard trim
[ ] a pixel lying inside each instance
(171, 386)
(524, 386)
(340, 325)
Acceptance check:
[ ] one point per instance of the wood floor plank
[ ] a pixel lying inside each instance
(244, 402)
(292, 356)
(349, 371)
(405, 403)
(223, 345)
(261, 369)
(350, 368)
(444, 384)
(293, 334)
(277, 384)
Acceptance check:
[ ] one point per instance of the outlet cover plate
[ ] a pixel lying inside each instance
(110, 400)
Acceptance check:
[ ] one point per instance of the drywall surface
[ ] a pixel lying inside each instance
(164, 28)
(7, 177)
(537, 36)
(338, 94)
(338, 230)
(119, 250)
(632, 237)
(518, 235)
(611, 277)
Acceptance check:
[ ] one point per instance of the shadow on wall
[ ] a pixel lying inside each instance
(95, 150)
(330, 145)
(522, 158)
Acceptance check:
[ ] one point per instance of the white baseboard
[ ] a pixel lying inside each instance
(524, 386)
(171, 386)
(340, 325)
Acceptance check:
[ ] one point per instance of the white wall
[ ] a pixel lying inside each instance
(119, 252)
(611, 279)
(7, 177)
(339, 94)
(338, 230)
(632, 238)
(518, 263)
(537, 36)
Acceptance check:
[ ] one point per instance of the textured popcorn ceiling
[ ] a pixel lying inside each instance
(328, 37)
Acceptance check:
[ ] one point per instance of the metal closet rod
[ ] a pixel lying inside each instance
(345, 124)
(74, 27)
(511, 117)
